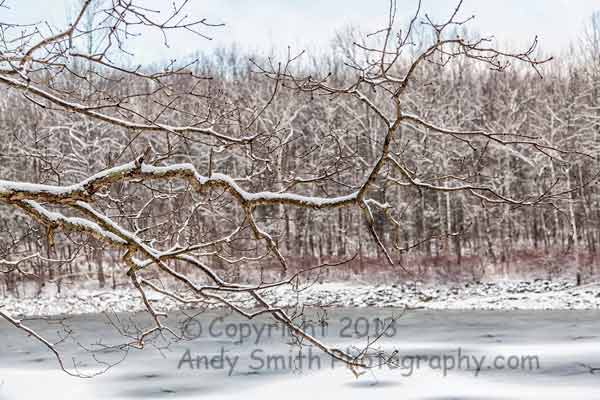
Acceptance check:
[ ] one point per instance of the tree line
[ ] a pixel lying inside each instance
(315, 144)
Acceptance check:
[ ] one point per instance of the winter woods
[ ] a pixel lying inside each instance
(416, 151)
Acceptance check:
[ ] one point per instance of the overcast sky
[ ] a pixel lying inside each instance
(310, 24)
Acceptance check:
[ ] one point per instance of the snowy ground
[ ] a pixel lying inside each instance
(498, 295)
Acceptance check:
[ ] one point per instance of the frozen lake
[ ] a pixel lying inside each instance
(438, 354)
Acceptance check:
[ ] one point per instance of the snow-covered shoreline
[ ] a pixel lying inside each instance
(498, 295)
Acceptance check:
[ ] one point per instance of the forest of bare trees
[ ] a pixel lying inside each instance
(447, 233)
(423, 153)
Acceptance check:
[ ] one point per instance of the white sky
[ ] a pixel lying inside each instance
(310, 24)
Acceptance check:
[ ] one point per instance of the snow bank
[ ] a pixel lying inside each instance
(502, 295)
